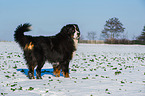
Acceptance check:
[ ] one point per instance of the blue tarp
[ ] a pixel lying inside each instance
(43, 71)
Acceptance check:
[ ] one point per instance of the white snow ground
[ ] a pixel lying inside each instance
(96, 70)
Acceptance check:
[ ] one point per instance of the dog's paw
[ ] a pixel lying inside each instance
(31, 76)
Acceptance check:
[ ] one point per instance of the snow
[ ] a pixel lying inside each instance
(96, 70)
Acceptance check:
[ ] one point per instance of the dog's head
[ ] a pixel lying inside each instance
(71, 30)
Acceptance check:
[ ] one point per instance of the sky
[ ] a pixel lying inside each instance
(49, 16)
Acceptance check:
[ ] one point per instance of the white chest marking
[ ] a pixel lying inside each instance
(75, 38)
(75, 45)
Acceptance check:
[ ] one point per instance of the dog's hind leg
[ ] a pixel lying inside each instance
(31, 71)
(31, 63)
(31, 66)
(38, 70)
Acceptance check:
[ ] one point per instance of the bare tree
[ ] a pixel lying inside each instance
(113, 28)
(92, 35)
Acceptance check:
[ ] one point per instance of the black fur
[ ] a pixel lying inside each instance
(57, 49)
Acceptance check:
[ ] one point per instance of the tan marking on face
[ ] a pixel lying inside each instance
(29, 46)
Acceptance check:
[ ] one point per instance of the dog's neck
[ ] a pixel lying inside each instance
(75, 43)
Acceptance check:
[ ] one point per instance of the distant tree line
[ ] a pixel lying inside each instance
(113, 33)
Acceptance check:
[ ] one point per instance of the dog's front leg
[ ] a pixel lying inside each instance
(56, 69)
(65, 69)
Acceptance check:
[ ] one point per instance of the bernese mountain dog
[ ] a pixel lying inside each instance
(58, 49)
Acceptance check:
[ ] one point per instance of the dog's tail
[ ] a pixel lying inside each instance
(19, 32)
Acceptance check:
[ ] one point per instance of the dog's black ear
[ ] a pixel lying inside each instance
(64, 29)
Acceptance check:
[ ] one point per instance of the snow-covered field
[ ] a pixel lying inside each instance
(96, 70)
